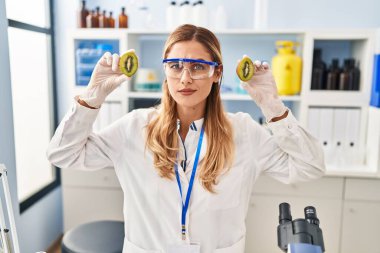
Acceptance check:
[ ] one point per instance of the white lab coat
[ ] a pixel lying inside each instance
(152, 205)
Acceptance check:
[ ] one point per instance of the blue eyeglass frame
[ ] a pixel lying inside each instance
(212, 63)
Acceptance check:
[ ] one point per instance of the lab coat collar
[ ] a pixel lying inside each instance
(197, 125)
(185, 176)
(194, 126)
(192, 136)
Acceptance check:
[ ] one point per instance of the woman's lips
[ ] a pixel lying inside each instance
(187, 92)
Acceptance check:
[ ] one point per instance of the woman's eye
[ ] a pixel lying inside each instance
(198, 67)
(175, 66)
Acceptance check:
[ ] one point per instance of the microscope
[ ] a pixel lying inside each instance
(299, 235)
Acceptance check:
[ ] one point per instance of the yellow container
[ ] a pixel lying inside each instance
(287, 68)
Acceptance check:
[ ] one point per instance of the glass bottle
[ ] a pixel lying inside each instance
(103, 20)
(89, 19)
(318, 72)
(82, 15)
(95, 20)
(332, 82)
(111, 21)
(355, 73)
(345, 78)
(123, 19)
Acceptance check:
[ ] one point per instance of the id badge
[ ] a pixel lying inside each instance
(185, 248)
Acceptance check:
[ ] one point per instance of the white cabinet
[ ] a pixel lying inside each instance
(361, 227)
(359, 45)
(361, 216)
(90, 196)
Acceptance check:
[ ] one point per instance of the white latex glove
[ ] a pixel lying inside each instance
(105, 78)
(263, 90)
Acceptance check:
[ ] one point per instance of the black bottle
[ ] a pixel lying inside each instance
(345, 79)
(332, 82)
(355, 73)
(318, 76)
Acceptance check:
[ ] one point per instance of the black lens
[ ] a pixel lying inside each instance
(311, 215)
(285, 215)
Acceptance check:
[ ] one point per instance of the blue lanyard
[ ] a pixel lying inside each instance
(187, 201)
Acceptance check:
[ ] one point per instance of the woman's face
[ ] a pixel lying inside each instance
(184, 90)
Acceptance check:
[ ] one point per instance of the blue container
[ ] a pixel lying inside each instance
(375, 94)
(87, 54)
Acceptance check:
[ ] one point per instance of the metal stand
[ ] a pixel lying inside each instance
(6, 242)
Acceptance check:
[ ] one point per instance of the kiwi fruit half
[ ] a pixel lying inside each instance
(245, 69)
(129, 63)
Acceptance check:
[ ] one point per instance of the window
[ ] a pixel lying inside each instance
(31, 45)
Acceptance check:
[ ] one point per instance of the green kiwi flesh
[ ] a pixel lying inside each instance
(245, 69)
(129, 64)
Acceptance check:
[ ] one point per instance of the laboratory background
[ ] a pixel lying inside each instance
(48, 50)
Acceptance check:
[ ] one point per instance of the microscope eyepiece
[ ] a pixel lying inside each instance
(311, 215)
(285, 214)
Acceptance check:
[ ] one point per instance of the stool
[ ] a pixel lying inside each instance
(95, 237)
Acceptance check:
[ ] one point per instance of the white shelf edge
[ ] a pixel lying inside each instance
(219, 32)
(336, 98)
(317, 34)
(353, 174)
(356, 171)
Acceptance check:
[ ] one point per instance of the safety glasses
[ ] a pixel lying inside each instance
(198, 69)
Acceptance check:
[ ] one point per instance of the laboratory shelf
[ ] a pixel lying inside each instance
(357, 43)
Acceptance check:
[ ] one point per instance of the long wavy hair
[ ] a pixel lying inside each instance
(162, 138)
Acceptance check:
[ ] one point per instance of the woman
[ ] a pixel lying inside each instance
(187, 167)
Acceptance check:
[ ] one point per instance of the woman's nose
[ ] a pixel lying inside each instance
(186, 78)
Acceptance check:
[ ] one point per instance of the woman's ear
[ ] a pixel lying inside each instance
(218, 73)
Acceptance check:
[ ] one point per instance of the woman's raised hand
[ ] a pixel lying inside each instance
(263, 90)
(105, 78)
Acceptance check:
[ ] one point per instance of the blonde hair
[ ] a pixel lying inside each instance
(162, 138)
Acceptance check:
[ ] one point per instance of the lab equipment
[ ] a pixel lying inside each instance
(319, 71)
(221, 17)
(261, 15)
(333, 73)
(350, 76)
(287, 68)
(123, 19)
(111, 21)
(185, 13)
(103, 20)
(299, 235)
(8, 245)
(172, 16)
(147, 80)
(82, 14)
(200, 14)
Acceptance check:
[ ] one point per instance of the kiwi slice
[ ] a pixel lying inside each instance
(245, 69)
(129, 63)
